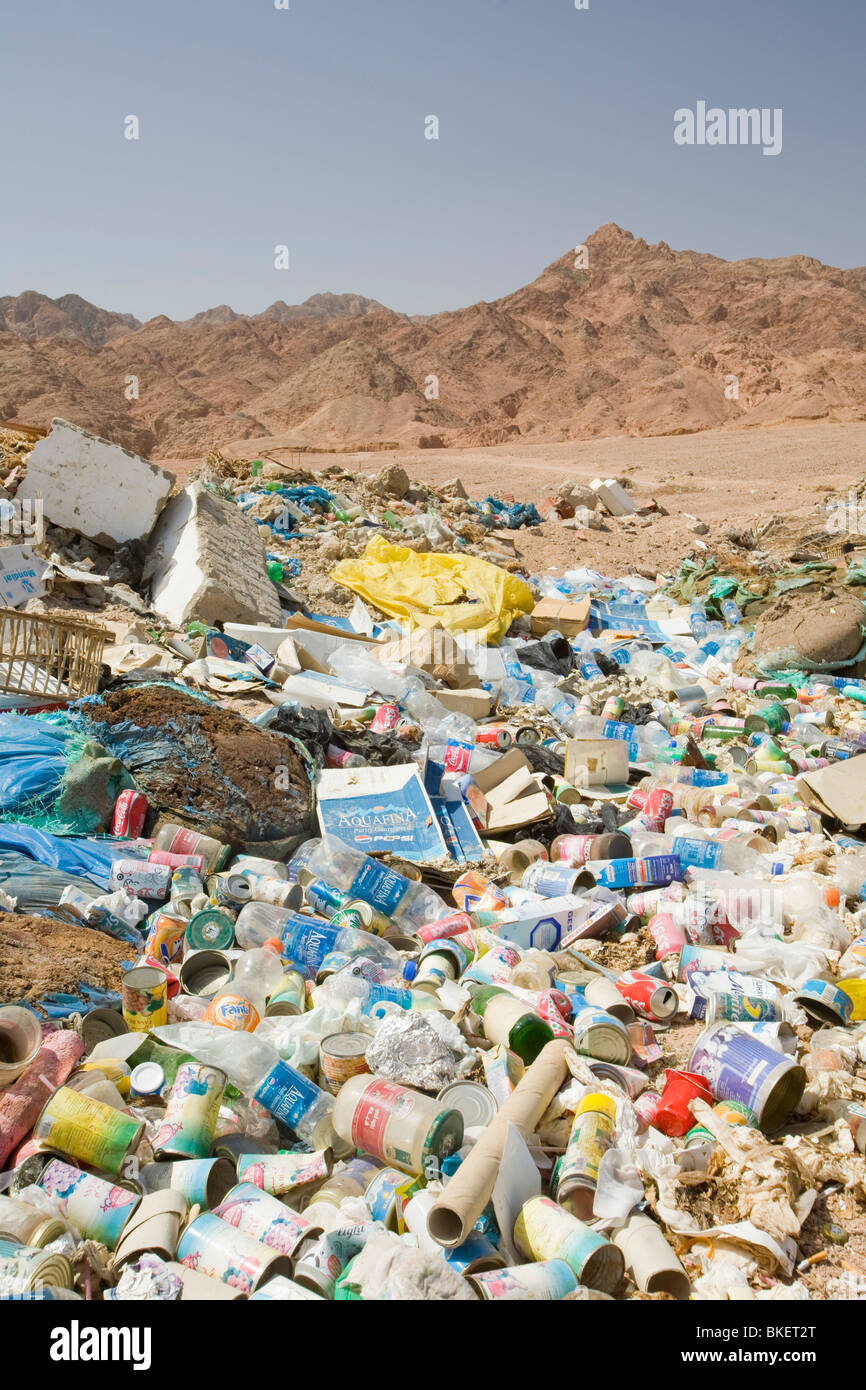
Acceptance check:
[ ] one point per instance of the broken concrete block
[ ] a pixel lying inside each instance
(209, 563)
(93, 487)
(613, 496)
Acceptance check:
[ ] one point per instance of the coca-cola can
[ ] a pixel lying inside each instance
(130, 810)
(387, 717)
(669, 938)
(648, 996)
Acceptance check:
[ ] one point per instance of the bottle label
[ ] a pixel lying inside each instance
(231, 1011)
(378, 1102)
(613, 729)
(699, 853)
(379, 886)
(287, 1094)
(590, 671)
(308, 942)
(457, 756)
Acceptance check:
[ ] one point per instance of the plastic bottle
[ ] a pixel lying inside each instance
(256, 1069)
(506, 1020)
(851, 875)
(409, 904)
(372, 984)
(241, 1004)
(307, 940)
(572, 717)
(177, 839)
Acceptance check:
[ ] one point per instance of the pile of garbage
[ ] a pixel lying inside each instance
(502, 939)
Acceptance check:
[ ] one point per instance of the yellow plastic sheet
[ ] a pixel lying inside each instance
(457, 592)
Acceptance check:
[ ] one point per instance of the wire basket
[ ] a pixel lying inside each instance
(57, 658)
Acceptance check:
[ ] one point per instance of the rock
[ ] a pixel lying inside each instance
(454, 488)
(699, 528)
(809, 628)
(390, 481)
(93, 487)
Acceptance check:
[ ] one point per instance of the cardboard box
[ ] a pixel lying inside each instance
(508, 794)
(557, 615)
(474, 701)
(596, 762)
(379, 809)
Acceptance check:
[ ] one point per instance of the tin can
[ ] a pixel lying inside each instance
(740, 1067)
(289, 998)
(99, 1209)
(264, 1218)
(165, 936)
(324, 899)
(553, 880)
(669, 938)
(87, 1130)
(647, 996)
(455, 925)
(228, 890)
(144, 995)
(647, 1107)
(476, 1255)
(177, 861)
(394, 1123)
(324, 1258)
(210, 929)
(474, 893)
(140, 877)
(27, 1269)
(598, 1034)
(733, 1112)
(342, 1055)
(545, 1281)
(205, 973)
(387, 717)
(592, 1134)
(545, 1231)
(130, 810)
(191, 1113)
(185, 885)
(824, 1002)
(386, 1196)
(284, 1172)
(202, 1182)
(215, 1248)
(493, 736)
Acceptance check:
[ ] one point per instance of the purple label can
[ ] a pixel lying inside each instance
(738, 1066)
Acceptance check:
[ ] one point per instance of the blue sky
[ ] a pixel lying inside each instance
(305, 127)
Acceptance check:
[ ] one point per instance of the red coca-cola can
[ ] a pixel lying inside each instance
(130, 810)
(646, 1107)
(387, 717)
(637, 799)
(494, 737)
(648, 995)
(659, 804)
(454, 925)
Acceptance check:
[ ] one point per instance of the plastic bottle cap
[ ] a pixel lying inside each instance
(832, 897)
(273, 943)
(410, 970)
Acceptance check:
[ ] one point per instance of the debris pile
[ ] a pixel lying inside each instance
(381, 920)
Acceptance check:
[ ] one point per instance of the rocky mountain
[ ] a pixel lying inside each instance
(642, 340)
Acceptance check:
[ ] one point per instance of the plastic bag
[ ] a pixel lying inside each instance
(458, 592)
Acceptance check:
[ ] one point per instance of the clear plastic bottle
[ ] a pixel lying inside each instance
(851, 874)
(256, 1069)
(241, 1004)
(307, 940)
(373, 985)
(407, 903)
(572, 717)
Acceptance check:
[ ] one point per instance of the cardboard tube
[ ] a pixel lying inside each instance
(467, 1193)
(653, 1264)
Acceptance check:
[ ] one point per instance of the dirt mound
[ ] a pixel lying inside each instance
(208, 767)
(38, 955)
(821, 624)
